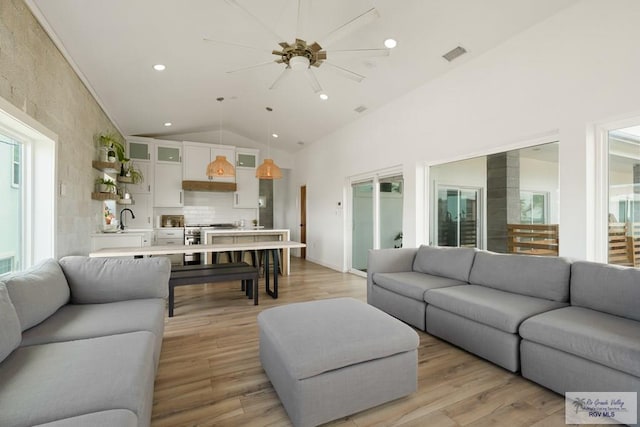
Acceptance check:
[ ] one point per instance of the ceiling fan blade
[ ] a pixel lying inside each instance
(255, 18)
(358, 53)
(345, 73)
(280, 78)
(262, 64)
(315, 47)
(232, 44)
(313, 81)
(349, 27)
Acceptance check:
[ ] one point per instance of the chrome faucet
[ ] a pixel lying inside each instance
(121, 217)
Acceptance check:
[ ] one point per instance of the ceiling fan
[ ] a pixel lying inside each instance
(300, 55)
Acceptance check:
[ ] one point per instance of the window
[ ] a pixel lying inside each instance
(533, 207)
(17, 156)
(11, 217)
(27, 190)
(458, 216)
(623, 208)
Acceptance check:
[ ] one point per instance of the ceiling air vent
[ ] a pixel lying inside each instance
(360, 109)
(454, 53)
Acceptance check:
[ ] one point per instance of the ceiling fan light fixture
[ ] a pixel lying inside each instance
(220, 168)
(299, 63)
(268, 170)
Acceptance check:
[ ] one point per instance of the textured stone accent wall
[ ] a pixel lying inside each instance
(36, 78)
(503, 197)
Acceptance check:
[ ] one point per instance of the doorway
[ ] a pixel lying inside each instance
(376, 216)
(303, 220)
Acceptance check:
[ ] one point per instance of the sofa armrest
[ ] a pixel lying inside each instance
(103, 280)
(388, 261)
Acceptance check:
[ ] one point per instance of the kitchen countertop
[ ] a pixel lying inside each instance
(187, 249)
(243, 231)
(127, 231)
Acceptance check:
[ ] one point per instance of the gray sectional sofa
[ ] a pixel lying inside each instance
(80, 342)
(569, 326)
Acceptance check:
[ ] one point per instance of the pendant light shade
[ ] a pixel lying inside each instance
(268, 169)
(220, 167)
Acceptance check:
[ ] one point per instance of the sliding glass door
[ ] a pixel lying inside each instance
(458, 217)
(376, 209)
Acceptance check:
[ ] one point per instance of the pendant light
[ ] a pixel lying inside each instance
(220, 167)
(268, 169)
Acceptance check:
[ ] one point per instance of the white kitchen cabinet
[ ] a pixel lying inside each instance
(168, 185)
(140, 148)
(171, 236)
(119, 240)
(196, 157)
(168, 152)
(248, 188)
(246, 158)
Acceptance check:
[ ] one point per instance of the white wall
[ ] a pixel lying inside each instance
(555, 78)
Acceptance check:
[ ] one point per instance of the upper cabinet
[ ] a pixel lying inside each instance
(139, 150)
(197, 156)
(246, 195)
(166, 153)
(168, 174)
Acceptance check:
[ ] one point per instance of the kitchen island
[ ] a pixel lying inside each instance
(213, 236)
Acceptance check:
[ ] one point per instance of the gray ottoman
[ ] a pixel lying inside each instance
(331, 358)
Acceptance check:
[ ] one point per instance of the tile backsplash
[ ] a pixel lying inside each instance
(202, 207)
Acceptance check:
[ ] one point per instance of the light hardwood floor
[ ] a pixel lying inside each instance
(210, 373)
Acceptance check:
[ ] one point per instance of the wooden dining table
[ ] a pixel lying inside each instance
(269, 248)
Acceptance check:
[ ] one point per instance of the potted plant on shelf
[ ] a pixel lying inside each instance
(104, 185)
(111, 147)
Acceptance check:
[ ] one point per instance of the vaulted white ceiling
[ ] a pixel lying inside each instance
(114, 44)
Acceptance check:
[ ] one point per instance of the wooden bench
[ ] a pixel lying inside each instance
(210, 273)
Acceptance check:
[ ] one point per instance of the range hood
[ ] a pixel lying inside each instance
(209, 186)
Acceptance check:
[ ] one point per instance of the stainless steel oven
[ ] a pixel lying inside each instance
(192, 236)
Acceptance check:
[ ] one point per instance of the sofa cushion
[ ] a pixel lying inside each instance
(600, 337)
(93, 280)
(412, 284)
(37, 292)
(10, 333)
(81, 321)
(112, 418)
(454, 263)
(608, 288)
(535, 276)
(49, 382)
(501, 310)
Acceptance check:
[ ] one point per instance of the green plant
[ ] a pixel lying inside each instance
(107, 184)
(105, 181)
(112, 140)
(136, 175)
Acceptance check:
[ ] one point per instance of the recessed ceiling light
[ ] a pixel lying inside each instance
(275, 135)
(390, 43)
(324, 96)
(159, 67)
(167, 124)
